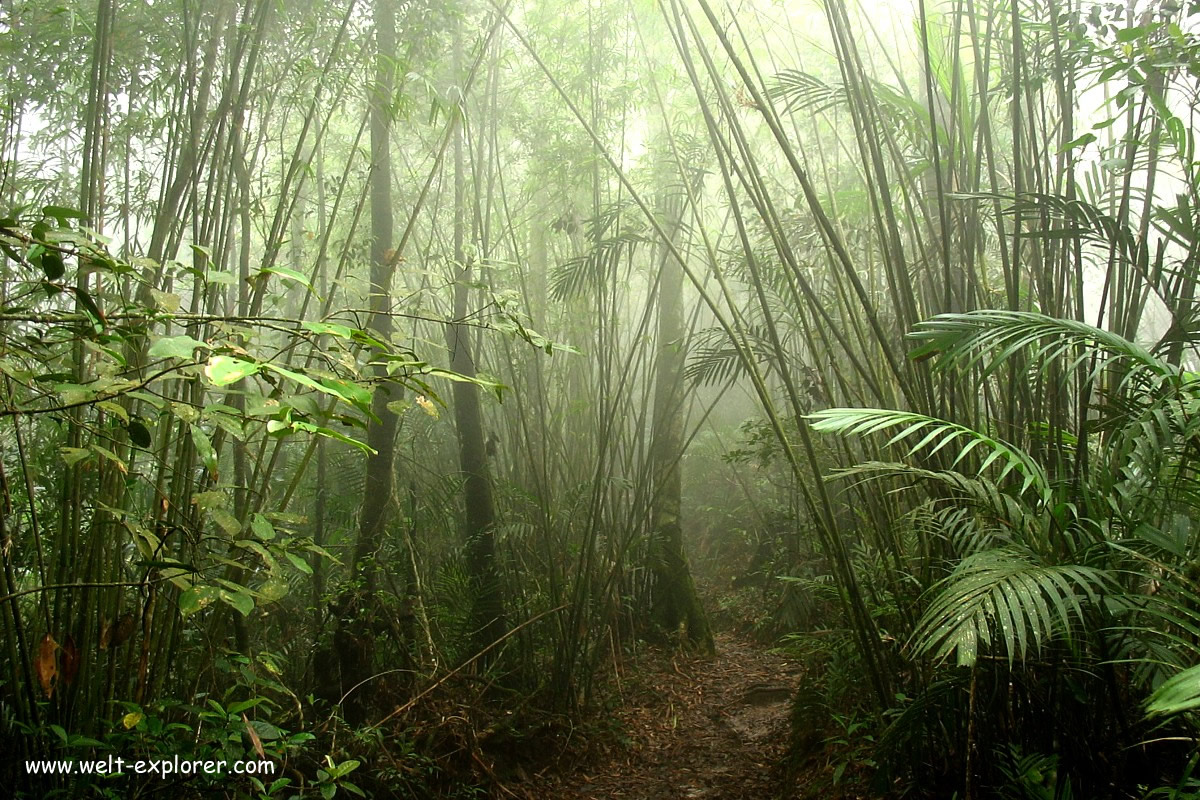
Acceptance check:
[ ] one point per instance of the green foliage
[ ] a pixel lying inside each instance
(936, 434)
(1000, 595)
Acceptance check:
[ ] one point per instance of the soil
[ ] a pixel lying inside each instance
(688, 726)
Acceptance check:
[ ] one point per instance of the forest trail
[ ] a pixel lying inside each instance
(692, 727)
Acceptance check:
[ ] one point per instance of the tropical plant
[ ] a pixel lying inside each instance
(1075, 571)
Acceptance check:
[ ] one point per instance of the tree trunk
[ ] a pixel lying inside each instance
(675, 604)
(381, 435)
(354, 639)
(487, 610)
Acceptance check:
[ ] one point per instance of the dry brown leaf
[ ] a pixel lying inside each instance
(254, 740)
(70, 660)
(46, 665)
(122, 630)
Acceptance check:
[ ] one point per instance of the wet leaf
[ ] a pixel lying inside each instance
(196, 598)
(241, 601)
(262, 527)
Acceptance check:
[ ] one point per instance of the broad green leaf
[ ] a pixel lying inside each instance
(204, 448)
(73, 455)
(265, 730)
(262, 527)
(1081, 141)
(195, 598)
(227, 521)
(242, 601)
(273, 590)
(352, 392)
(344, 331)
(52, 265)
(175, 347)
(306, 381)
(111, 456)
(139, 434)
(321, 551)
(166, 301)
(210, 499)
(262, 552)
(291, 274)
(89, 306)
(223, 370)
(1131, 34)
(62, 214)
(299, 562)
(116, 409)
(309, 428)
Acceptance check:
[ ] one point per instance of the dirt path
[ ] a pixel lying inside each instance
(693, 727)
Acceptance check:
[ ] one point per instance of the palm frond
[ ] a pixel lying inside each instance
(590, 271)
(1013, 519)
(989, 338)
(1178, 693)
(937, 434)
(714, 359)
(804, 92)
(1002, 595)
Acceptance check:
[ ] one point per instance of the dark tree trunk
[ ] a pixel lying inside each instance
(354, 638)
(675, 604)
(381, 435)
(487, 611)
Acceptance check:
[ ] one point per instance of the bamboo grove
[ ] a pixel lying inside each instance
(370, 359)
